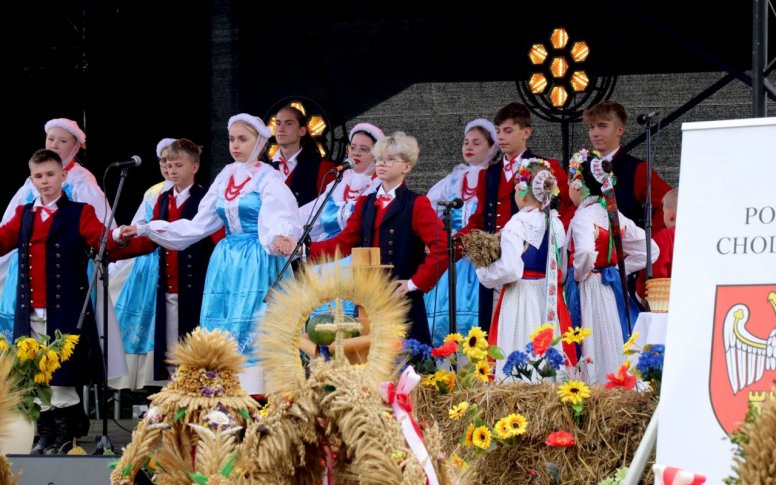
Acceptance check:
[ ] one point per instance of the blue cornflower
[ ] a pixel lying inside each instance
(554, 358)
(515, 359)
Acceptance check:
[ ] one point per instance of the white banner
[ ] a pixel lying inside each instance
(722, 319)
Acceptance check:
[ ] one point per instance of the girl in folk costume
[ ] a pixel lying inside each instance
(479, 149)
(528, 268)
(261, 218)
(357, 181)
(136, 304)
(66, 138)
(600, 240)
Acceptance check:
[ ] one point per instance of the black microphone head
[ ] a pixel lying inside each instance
(346, 164)
(457, 203)
(643, 118)
(137, 160)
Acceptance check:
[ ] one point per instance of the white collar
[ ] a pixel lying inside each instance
(612, 153)
(278, 155)
(184, 192)
(50, 205)
(392, 192)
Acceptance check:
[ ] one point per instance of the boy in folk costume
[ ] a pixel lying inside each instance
(496, 189)
(606, 126)
(181, 274)
(54, 236)
(136, 304)
(601, 239)
(402, 224)
(297, 158)
(528, 268)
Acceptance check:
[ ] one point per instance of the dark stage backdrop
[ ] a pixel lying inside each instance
(132, 72)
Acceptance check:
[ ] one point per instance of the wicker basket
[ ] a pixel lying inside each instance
(658, 291)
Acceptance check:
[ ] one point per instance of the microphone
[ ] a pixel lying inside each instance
(135, 161)
(451, 204)
(342, 167)
(642, 119)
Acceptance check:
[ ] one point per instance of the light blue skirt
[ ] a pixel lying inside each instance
(136, 305)
(239, 275)
(467, 297)
(8, 298)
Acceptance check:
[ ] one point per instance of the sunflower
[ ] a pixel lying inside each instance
(481, 437)
(502, 429)
(457, 411)
(576, 335)
(469, 435)
(3, 344)
(483, 371)
(626, 348)
(454, 337)
(574, 392)
(27, 349)
(49, 361)
(69, 345)
(458, 463)
(446, 378)
(475, 346)
(517, 424)
(42, 378)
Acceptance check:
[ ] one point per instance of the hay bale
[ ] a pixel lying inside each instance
(607, 434)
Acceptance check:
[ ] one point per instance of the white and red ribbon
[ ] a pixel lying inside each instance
(669, 475)
(398, 397)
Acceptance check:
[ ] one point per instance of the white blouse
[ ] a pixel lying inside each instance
(582, 230)
(526, 226)
(279, 214)
(451, 186)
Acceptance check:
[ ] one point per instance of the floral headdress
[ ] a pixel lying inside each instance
(596, 164)
(523, 179)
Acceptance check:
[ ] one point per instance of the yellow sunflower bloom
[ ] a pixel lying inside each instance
(458, 463)
(576, 335)
(502, 429)
(428, 381)
(475, 346)
(481, 437)
(69, 345)
(468, 441)
(573, 392)
(4, 344)
(446, 378)
(538, 330)
(458, 411)
(483, 371)
(42, 378)
(49, 362)
(27, 349)
(626, 348)
(454, 337)
(517, 424)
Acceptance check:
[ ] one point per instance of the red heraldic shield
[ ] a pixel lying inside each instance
(743, 352)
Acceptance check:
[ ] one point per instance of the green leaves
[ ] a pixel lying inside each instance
(179, 414)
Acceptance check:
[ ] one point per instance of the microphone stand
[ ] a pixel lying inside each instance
(648, 205)
(305, 234)
(101, 266)
(451, 280)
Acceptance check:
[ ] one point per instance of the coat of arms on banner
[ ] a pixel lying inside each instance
(743, 355)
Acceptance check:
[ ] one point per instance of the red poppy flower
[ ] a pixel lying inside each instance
(445, 349)
(561, 439)
(621, 379)
(542, 342)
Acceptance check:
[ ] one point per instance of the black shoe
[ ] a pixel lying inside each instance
(46, 432)
(64, 427)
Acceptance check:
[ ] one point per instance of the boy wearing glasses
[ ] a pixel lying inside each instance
(402, 224)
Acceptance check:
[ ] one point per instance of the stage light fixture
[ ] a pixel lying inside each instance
(558, 96)
(580, 51)
(538, 83)
(559, 38)
(537, 54)
(559, 67)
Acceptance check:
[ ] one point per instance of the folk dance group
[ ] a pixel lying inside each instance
(208, 256)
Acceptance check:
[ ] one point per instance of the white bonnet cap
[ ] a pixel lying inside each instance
(68, 125)
(487, 126)
(369, 128)
(163, 143)
(254, 121)
(482, 123)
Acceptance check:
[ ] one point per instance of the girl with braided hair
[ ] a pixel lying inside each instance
(604, 246)
(528, 269)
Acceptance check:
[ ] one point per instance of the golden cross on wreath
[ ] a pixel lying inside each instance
(340, 326)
